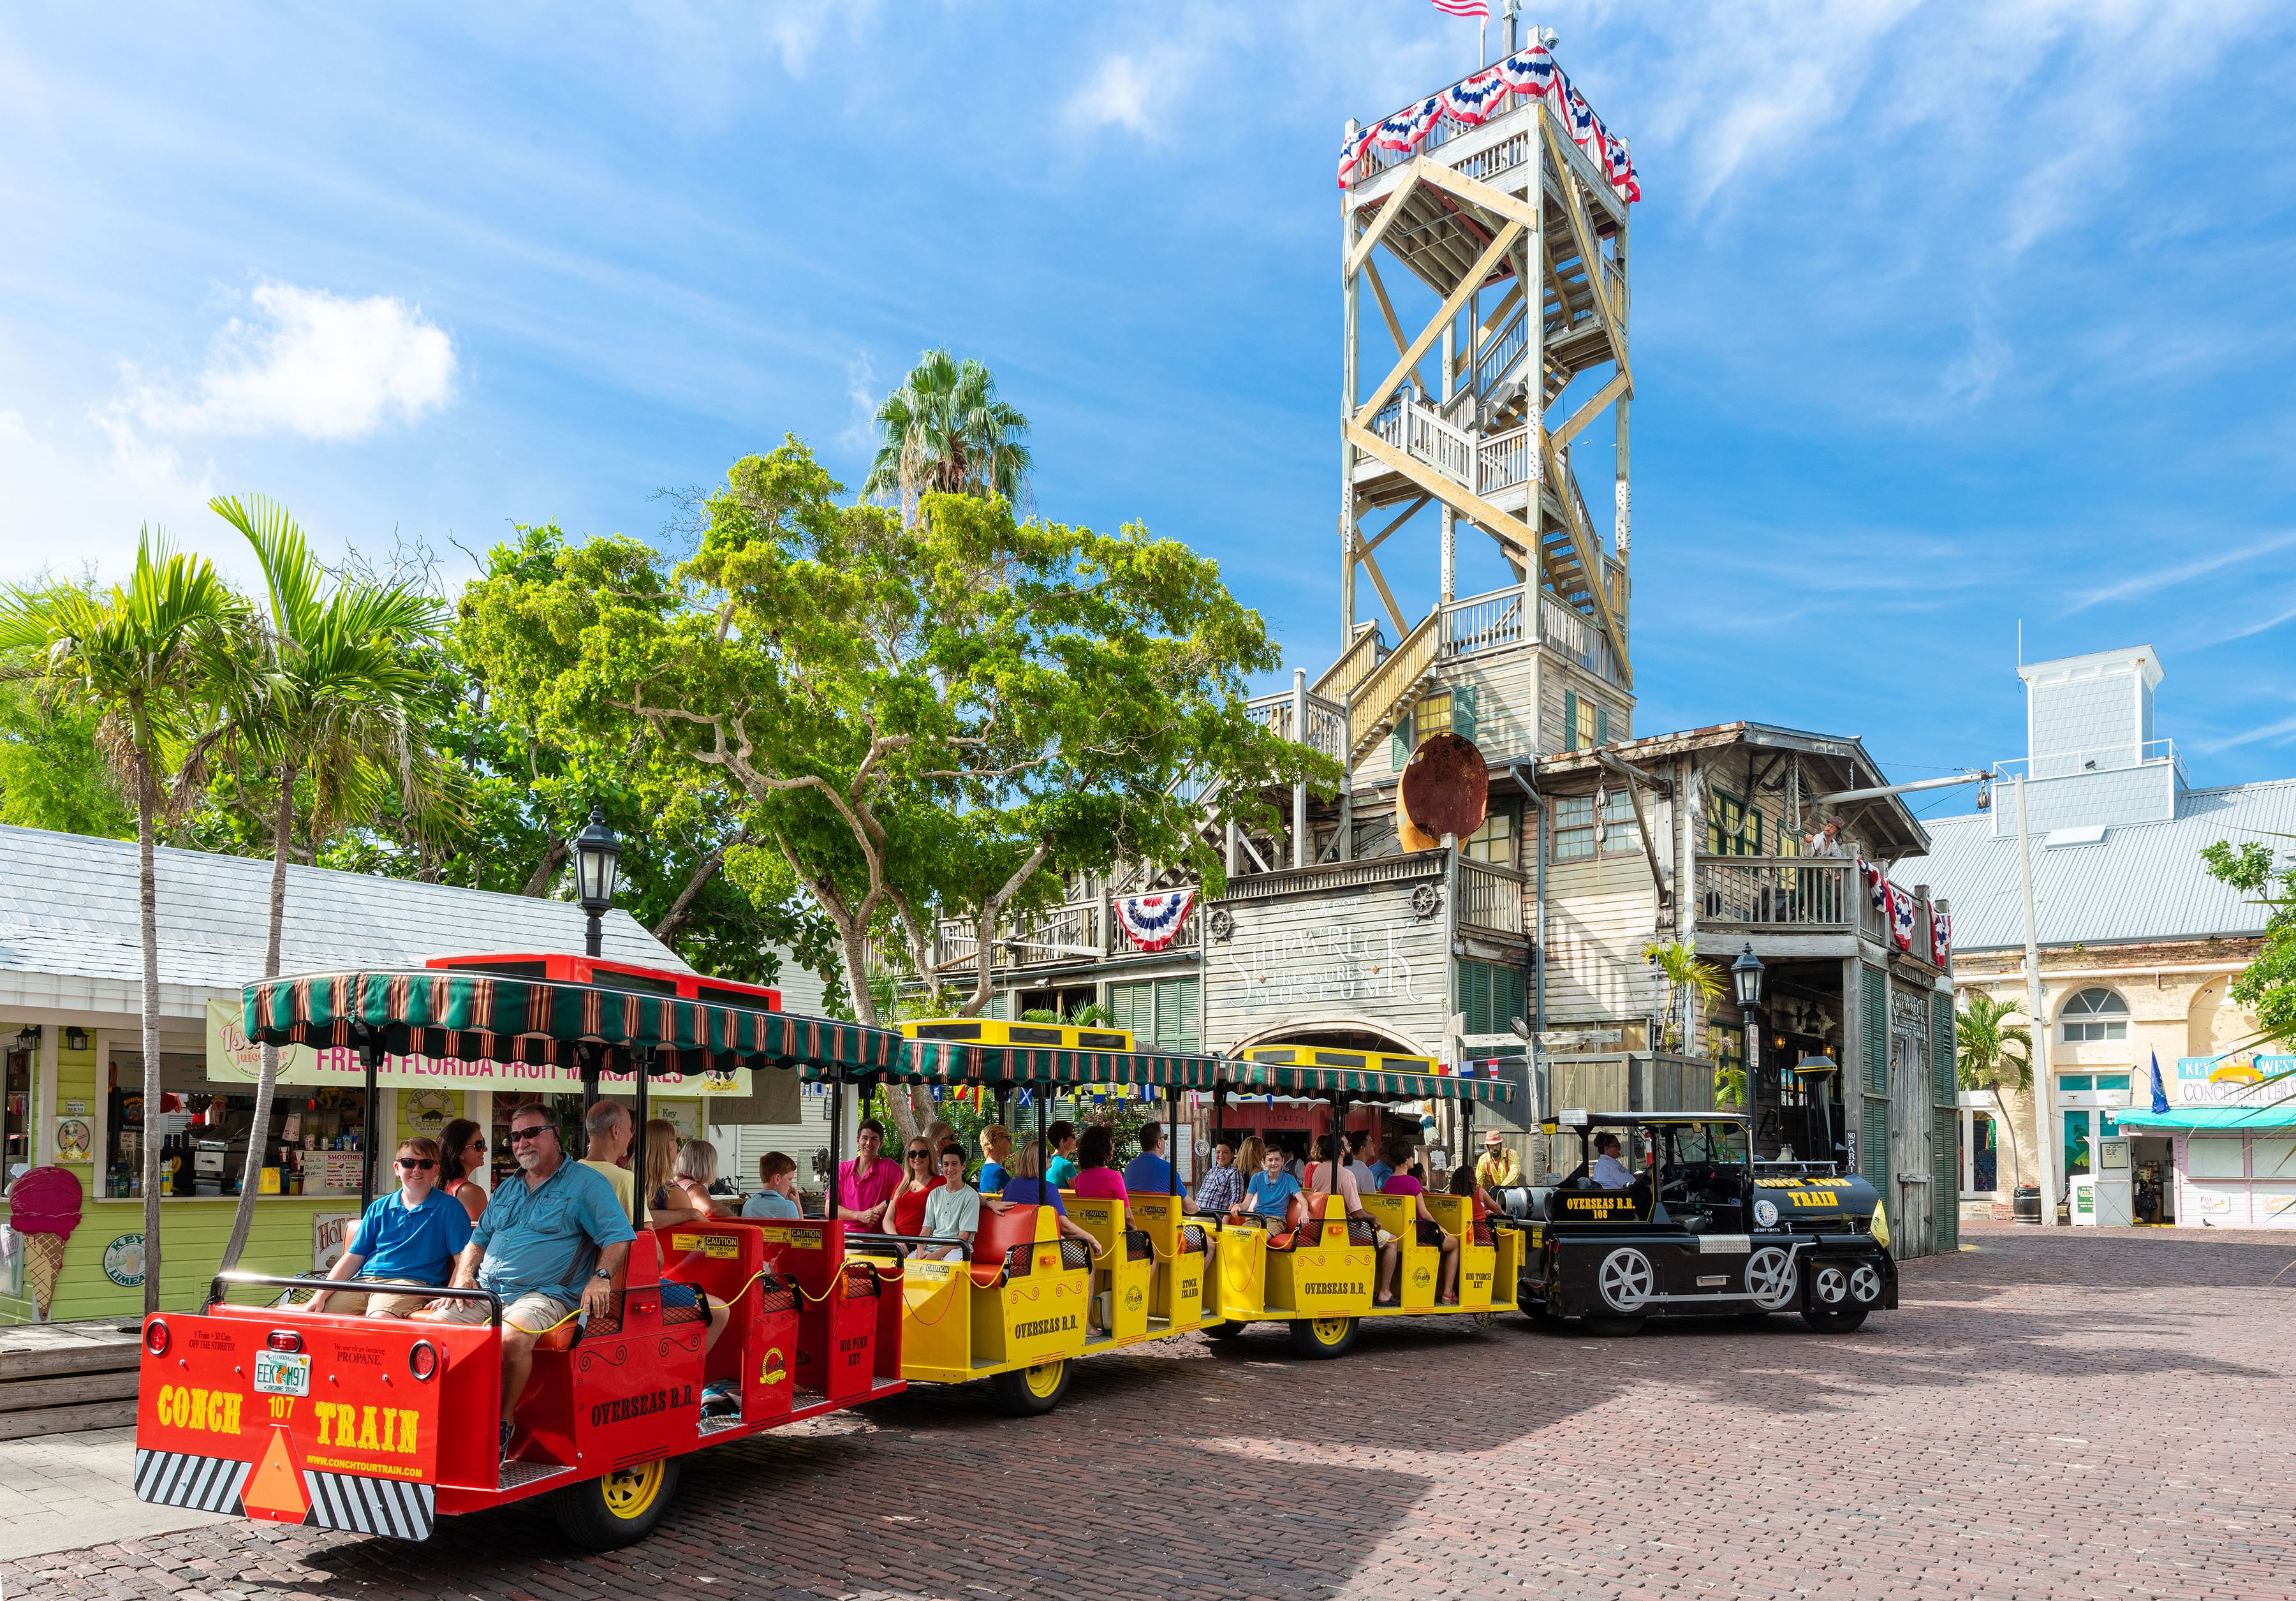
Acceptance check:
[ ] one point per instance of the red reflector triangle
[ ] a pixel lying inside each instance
(274, 1489)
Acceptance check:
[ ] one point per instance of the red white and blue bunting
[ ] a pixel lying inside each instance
(1892, 904)
(1153, 922)
(1528, 74)
(1941, 938)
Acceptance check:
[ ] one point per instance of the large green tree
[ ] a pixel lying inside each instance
(339, 719)
(161, 661)
(940, 719)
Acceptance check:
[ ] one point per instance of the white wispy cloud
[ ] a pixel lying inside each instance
(307, 362)
(2147, 583)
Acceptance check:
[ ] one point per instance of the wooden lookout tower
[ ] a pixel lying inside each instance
(1504, 200)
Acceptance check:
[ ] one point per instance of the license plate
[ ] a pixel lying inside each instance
(279, 1372)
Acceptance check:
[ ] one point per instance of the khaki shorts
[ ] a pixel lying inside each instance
(353, 1303)
(533, 1312)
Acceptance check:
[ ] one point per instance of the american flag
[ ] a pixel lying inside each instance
(1464, 8)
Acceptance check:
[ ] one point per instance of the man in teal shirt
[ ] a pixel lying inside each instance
(552, 1242)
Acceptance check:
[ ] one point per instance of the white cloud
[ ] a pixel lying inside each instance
(309, 363)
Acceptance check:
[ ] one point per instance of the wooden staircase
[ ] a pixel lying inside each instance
(61, 1378)
(1384, 694)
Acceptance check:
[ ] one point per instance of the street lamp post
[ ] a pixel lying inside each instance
(597, 863)
(1746, 976)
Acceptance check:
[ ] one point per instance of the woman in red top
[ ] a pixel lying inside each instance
(906, 1215)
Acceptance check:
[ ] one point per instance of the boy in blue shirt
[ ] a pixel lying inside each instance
(1273, 1194)
(409, 1237)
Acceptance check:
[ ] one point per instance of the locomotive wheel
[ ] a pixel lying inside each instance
(1030, 1392)
(1835, 1323)
(1322, 1337)
(618, 1508)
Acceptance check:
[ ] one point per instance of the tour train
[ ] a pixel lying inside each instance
(384, 1424)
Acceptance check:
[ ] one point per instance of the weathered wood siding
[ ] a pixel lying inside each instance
(1599, 913)
(1343, 942)
(1562, 675)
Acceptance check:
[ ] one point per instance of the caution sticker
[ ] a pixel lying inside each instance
(724, 1247)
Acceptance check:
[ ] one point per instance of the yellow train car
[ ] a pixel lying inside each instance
(995, 1030)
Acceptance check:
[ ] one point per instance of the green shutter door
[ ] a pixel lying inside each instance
(1874, 1149)
(1874, 998)
(1511, 1003)
(1570, 719)
(1601, 725)
(1945, 1145)
(1399, 743)
(1463, 711)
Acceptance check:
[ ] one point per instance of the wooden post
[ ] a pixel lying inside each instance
(1346, 850)
(1300, 834)
(1351, 327)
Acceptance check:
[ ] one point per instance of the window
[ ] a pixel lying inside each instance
(1431, 716)
(1585, 724)
(2096, 1014)
(1490, 996)
(1619, 833)
(1733, 828)
(1160, 1012)
(1574, 828)
(1494, 842)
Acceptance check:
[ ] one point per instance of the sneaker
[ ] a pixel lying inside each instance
(508, 1429)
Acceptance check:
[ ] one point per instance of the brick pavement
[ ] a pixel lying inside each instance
(2074, 1414)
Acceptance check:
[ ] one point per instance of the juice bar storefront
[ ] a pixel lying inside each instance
(316, 1146)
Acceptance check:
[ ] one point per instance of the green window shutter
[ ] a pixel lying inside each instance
(1874, 996)
(1511, 1001)
(1463, 711)
(1941, 1053)
(1945, 1182)
(1124, 1005)
(1570, 719)
(1873, 1148)
(1399, 743)
(1185, 1036)
(1601, 725)
(1168, 1014)
(1475, 995)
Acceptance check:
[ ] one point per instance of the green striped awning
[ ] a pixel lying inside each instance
(950, 1062)
(483, 1017)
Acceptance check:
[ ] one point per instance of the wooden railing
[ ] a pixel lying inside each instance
(1189, 937)
(1503, 351)
(1510, 152)
(1494, 621)
(1354, 665)
(1775, 892)
(1064, 933)
(1502, 461)
(1372, 706)
(1490, 897)
(1571, 633)
(1420, 432)
(1325, 721)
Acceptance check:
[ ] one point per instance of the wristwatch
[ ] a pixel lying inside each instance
(605, 1273)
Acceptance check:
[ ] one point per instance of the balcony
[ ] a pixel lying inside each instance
(1490, 897)
(1082, 931)
(1797, 895)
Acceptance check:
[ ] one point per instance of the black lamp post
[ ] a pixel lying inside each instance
(1746, 977)
(597, 863)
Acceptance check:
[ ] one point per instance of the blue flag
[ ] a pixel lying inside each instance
(2159, 1096)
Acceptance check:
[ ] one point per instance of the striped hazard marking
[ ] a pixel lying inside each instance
(179, 1479)
(370, 1506)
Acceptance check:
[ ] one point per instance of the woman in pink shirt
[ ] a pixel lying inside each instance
(1431, 1232)
(1319, 1189)
(1097, 1179)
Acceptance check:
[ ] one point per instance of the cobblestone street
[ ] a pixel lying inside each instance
(2073, 1414)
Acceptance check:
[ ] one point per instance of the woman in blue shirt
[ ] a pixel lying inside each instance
(411, 1237)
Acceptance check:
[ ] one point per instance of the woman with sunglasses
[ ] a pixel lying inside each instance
(906, 1215)
(411, 1237)
(463, 1152)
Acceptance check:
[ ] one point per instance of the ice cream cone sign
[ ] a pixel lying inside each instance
(44, 1206)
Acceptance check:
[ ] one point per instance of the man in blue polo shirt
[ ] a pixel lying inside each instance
(409, 1237)
(551, 1243)
(1148, 1173)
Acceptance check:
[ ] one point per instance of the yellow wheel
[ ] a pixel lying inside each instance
(1029, 1391)
(622, 1506)
(1323, 1336)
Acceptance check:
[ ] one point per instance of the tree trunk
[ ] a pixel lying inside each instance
(545, 873)
(259, 1130)
(682, 907)
(147, 887)
(2016, 1154)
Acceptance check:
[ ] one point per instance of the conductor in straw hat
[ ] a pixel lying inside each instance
(1826, 840)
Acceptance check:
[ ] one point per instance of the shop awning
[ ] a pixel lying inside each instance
(2212, 1120)
(443, 1012)
(950, 1063)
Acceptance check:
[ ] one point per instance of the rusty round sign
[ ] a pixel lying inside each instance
(1446, 790)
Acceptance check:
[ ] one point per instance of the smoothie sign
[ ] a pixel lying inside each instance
(233, 1060)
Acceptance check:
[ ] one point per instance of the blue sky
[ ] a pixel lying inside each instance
(1945, 316)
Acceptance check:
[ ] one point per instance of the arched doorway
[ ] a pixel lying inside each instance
(1343, 1033)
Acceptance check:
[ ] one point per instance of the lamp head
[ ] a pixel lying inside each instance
(597, 865)
(1746, 974)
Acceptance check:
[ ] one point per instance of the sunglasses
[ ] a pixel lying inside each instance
(476, 1145)
(416, 1161)
(517, 1135)
(919, 1155)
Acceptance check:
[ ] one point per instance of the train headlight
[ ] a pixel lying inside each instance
(156, 1337)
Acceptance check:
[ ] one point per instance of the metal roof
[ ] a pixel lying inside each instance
(2141, 882)
(69, 924)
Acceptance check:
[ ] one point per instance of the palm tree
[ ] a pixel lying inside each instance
(336, 720)
(159, 660)
(1987, 1049)
(945, 429)
(1686, 975)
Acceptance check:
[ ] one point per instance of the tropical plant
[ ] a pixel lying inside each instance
(1687, 978)
(945, 429)
(2268, 986)
(160, 661)
(1989, 1049)
(337, 723)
